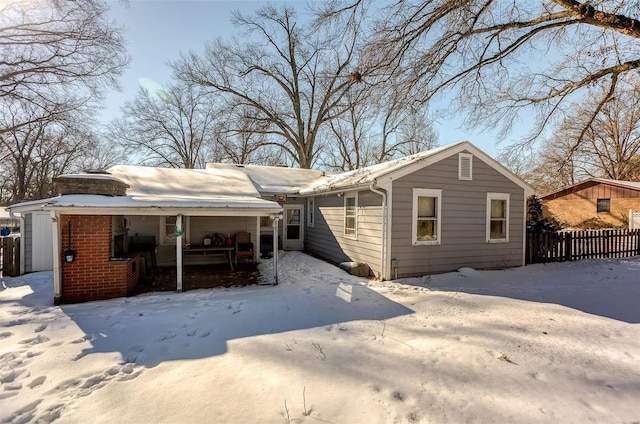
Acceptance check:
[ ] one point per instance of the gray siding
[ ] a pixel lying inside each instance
(326, 239)
(463, 232)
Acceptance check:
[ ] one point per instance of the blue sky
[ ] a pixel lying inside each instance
(158, 30)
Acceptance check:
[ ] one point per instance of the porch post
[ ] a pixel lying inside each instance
(57, 270)
(256, 251)
(179, 252)
(275, 249)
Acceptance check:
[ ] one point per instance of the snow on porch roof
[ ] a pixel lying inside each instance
(274, 179)
(154, 205)
(157, 190)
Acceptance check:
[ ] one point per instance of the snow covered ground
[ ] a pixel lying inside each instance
(541, 344)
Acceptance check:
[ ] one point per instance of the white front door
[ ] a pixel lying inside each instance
(293, 229)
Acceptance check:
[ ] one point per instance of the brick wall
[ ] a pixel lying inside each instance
(92, 275)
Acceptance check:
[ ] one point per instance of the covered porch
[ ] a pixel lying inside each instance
(195, 277)
(90, 242)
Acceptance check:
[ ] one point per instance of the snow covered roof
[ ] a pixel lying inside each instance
(162, 203)
(275, 179)
(367, 175)
(398, 167)
(184, 183)
(156, 190)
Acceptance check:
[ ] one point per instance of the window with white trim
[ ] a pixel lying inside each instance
(168, 229)
(351, 216)
(311, 204)
(465, 166)
(426, 221)
(497, 217)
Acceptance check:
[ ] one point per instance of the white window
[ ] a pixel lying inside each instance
(168, 229)
(426, 222)
(497, 217)
(310, 211)
(351, 216)
(465, 166)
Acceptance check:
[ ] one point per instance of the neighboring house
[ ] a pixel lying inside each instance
(431, 212)
(595, 199)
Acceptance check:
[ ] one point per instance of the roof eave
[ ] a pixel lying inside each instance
(164, 210)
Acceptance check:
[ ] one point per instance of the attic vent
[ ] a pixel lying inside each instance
(465, 166)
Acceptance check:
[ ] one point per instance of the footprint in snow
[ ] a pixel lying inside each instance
(12, 376)
(85, 338)
(204, 333)
(167, 336)
(26, 413)
(35, 340)
(7, 395)
(6, 334)
(41, 328)
(51, 414)
(38, 381)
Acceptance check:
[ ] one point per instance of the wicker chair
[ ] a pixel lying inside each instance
(244, 247)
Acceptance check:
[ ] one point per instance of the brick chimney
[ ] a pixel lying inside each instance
(91, 182)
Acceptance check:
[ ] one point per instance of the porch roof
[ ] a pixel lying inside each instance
(161, 205)
(162, 191)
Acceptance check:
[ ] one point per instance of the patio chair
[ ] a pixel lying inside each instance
(244, 247)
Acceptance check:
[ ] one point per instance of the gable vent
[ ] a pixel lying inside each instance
(465, 166)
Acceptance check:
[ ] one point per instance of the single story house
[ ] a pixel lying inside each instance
(430, 212)
(608, 201)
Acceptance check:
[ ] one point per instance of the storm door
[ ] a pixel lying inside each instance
(293, 229)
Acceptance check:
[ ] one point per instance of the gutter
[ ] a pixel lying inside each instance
(385, 224)
(306, 193)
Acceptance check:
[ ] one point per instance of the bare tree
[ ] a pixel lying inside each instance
(241, 138)
(56, 58)
(380, 124)
(57, 55)
(610, 146)
(294, 79)
(170, 127)
(509, 59)
(38, 151)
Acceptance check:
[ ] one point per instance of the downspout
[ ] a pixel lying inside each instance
(57, 269)
(20, 218)
(383, 248)
(178, 234)
(275, 218)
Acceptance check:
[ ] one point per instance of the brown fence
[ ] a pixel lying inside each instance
(575, 245)
(10, 256)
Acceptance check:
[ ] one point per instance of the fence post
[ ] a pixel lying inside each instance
(567, 246)
(10, 256)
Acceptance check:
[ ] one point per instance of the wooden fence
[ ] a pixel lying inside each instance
(576, 245)
(10, 256)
